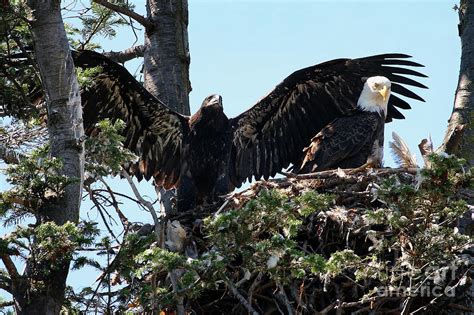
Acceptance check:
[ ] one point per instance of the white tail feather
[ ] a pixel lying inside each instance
(401, 152)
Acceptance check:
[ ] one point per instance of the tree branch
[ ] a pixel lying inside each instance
(115, 204)
(9, 156)
(239, 297)
(127, 54)
(6, 304)
(5, 284)
(137, 17)
(149, 206)
(10, 266)
(347, 173)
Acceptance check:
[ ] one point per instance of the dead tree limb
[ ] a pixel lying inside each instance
(119, 9)
(127, 54)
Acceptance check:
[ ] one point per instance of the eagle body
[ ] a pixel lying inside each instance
(207, 155)
(205, 170)
(347, 142)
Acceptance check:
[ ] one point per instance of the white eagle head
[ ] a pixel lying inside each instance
(375, 95)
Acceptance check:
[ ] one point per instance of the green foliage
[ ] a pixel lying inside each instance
(342, 260)
(99, 21)
(85, 77)
(105, 151)
(158, 259)
(35, 180)
(410, 230)
(311, 202)
(263, 234)
(19, 80)
(424, 213)
(53, 244)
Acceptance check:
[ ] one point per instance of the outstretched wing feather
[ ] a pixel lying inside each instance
(303, 104)
(152, 131)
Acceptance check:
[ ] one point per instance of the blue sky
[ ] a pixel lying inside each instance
(242, 49)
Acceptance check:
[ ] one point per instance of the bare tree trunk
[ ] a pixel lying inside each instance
(66, 136)
(166, 62)
(166, 74)
(459, 138)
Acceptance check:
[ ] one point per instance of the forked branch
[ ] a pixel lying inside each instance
(123, 10)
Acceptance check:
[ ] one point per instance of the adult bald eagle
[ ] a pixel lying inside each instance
(354, 140)
(207, 154)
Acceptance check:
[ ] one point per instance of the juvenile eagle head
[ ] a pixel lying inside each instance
(375, 95)
(214, 100)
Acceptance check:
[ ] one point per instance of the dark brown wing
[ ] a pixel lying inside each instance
(346, 142)
(270, 135)
(153, 131)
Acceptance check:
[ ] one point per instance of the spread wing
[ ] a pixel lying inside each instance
(153, 131)
(271, 135)
(346, 142)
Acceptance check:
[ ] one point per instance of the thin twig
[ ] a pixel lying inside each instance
(100, 209)
(147, 204)
(137, 17)
(120, 214)
(239, 297)
(446, 291)
(284, 298)
(254, 285)
(338, 172)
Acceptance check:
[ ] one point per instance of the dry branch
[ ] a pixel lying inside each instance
(119, 9)
(9, 156)
(240, 297)
(10, 266)
(127, 54)
(149, 206)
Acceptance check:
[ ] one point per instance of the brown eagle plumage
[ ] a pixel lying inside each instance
(207, 154)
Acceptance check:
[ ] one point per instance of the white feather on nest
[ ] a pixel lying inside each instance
(401, 152)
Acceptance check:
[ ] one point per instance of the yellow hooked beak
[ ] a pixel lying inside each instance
(384, 92)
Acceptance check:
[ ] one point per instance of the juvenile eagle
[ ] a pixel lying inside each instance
(207, 154)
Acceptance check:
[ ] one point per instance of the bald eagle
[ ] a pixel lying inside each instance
(208, 155)
(356, 139)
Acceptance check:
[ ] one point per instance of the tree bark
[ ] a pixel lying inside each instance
(459, 138)
(66, 143)
(127, 54)
(166, 71)
(166, 60)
